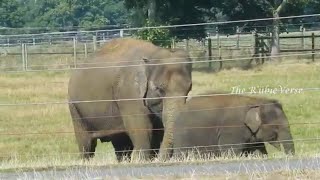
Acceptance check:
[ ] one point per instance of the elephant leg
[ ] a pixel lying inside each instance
(123, 146)
(139, 129)
(229, 145)
(142, 147)
(262, 149)
(250, 149)
(88, 146)
(86, 143)
(157, 135)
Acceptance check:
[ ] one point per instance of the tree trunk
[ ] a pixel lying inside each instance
(275, 42)
(152, 5)
(275, 45)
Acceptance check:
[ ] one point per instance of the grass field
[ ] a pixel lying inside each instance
(42, 135)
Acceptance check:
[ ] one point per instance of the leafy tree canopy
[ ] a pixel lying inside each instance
(98, 14)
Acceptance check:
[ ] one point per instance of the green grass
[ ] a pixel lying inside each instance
(19, 149)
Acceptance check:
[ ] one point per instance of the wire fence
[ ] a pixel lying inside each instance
(68, 49)
(208, 146)
(137, 63)
(134, 99)
(21, 46)
(118, 131)
(63, 133)
(69, 55)
(208, 149)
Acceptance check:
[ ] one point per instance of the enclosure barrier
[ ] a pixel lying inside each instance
(254, 43)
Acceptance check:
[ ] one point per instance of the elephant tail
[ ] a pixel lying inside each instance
(76, 115)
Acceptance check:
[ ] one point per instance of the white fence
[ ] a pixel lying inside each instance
(67, 49)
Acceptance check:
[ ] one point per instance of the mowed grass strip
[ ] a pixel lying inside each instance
(19, 125)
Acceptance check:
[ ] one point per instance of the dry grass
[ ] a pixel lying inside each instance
(67, 162)
(20, 150)
(279, 175)
(73, 169)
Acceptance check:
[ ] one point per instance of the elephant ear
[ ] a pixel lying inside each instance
(141, 79)
(253, 119)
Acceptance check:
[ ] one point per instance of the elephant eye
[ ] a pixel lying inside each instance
(160, 90)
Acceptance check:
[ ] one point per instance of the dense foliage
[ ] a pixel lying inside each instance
(65, 15)
(158, 36)
(62, 13)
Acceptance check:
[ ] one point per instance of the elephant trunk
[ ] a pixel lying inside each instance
(171, 108)
(285, 138)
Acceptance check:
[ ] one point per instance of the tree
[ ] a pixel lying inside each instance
(279, 7)
(172, 12)
(152, 7)
(237, 10)
(115, 12)
(313, 7)
(11, 14)
(62, 13)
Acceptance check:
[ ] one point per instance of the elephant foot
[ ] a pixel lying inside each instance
(139, 156)
(87, 148)
(165, 154)
(86, 156)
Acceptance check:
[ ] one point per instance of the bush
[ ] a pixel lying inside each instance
(158, 36)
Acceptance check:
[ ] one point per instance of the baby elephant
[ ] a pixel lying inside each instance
(219, 123)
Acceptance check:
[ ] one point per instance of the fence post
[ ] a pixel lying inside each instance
(121, 32)
(50, 40)
(256, 43)
(26, 56)
(218, 37)
(187, 45)
(210, 53)
(302, 29)
(94, 43)
(270, 44)
(75, 52)
(203, 42)
(219, 52)
(34, 41)
(255, 47)
(173, 43)
(238, 37)
(218, 45)
(8, 42)
(313, 47)
(23, 56)
(85, 50)
(253, 38)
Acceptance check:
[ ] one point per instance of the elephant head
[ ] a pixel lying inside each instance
(167, 76)
(268, 123)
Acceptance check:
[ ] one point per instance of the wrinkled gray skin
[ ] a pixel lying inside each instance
(123, 145)
(221, 122)
(96, 119)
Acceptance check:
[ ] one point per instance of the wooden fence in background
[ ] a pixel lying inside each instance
(260, 45)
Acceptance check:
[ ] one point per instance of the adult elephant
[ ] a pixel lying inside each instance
(112, 95)
(216, 124)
